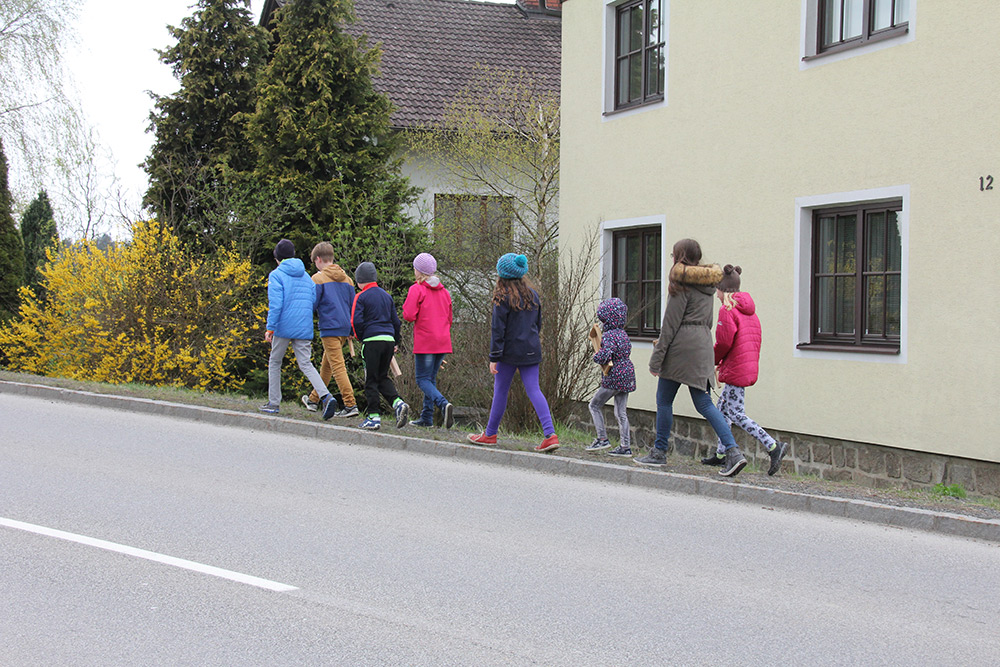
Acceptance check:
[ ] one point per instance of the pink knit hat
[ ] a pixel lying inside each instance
(425, 263)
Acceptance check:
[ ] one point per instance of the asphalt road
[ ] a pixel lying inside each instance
(398, 558)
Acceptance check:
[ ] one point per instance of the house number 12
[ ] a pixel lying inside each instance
(985, 183)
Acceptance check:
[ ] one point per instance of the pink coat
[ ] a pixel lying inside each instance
(737, 342)
(428, 306)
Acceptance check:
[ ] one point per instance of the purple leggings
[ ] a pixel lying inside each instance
(501, 387)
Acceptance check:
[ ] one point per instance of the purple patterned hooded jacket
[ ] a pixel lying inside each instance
(615, 346)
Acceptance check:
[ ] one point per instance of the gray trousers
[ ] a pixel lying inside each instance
(303, 355)
(621, 414)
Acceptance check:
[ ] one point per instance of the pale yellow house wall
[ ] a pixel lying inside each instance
(751, 136)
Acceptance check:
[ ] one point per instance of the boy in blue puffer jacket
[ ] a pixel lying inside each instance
(291, 296)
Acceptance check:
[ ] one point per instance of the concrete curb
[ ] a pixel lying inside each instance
(860, 510)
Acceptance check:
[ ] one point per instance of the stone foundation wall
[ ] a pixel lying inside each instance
(875, 466)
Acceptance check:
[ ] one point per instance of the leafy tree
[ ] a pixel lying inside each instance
(11, 248)
(200, 142)
(320, 129)
(38, 231)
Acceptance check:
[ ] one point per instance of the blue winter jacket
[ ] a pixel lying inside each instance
(291, 297)
(516, 334)
(375, 314)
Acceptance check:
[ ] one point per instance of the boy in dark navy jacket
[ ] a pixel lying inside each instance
(375, 323)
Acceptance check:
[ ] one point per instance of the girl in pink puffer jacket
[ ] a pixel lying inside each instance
(737, 355)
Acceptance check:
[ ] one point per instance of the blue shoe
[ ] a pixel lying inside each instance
(269, 408)
(371, 423)
(420, 424)
(402, 412)
(597, 445)
(329, 405)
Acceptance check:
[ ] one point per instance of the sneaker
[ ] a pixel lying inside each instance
(482, 439)
(735, 462)
(449, 415)
(311, 406)
(420, 424)
(549, 444)
(597, 445)
(620, 451)
(776, 454)
(402, 412)
(269, 408)
(349, 411)
(714, 459)
(371, 423)
(329, 406)
(656, 457)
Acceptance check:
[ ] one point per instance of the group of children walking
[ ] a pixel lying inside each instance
(684, 353)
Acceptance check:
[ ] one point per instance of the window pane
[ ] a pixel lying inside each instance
(846, 243)
(636, 41)
(624, 30)
(633, 257)
(853, 18)
(875, 306)
(895, 246)
(875, 260)
(635, 77)
(652, 242)
(623, 81)
(824, 241)
(892, 297)
(631, 300)
(881, 14)
(651, 306)
(661, 77)
(620, 262)
(845, 305)
(902, 12)
(831, 22)
(653, 18)
(652, 69)
(824, 305)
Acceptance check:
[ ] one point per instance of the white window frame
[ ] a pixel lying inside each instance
(801, 317)
(608, 111)
(808, 58)
(608, 228)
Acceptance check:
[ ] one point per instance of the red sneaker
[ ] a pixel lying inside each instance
(549, 444)
(483, 439)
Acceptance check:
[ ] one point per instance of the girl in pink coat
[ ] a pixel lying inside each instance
(737, 355)
(428, 306)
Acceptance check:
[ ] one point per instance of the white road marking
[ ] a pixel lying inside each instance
(150, 555)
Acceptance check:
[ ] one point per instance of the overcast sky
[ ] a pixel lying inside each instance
(115, 64)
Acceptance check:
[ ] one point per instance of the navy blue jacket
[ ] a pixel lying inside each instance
(374, 314)
(333, 305)
(516, 338)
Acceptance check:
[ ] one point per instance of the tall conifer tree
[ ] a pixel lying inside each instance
(321, 130)
(38, 232)
(200, 130)
(11, 249)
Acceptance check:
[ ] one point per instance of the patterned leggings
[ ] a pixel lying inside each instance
(731, 406)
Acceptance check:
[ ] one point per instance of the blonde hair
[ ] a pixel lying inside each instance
(728, 302)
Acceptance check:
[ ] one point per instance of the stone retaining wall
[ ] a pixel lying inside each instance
(875, 466)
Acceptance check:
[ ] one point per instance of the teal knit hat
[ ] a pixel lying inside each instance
(512, 266)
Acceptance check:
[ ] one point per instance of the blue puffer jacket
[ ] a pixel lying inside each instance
(291, 296)
(516, 338)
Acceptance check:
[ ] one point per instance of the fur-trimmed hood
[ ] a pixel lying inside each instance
(704, 274)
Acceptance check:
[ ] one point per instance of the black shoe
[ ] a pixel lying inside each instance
(776, 454)
(449, 415)
(735, 462)
(656, 457)
(714, 459)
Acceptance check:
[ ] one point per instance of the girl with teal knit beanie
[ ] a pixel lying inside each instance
(516, 346)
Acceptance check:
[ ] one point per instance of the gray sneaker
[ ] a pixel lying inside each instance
(349, 411)
(735, 462)
(269, 408)
(656, 457)
(449, 415)
(597, 445)
(776, 455)
(310, 405)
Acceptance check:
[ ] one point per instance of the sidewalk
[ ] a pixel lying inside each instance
(974, 521)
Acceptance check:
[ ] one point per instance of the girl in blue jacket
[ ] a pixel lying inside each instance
(516, 347)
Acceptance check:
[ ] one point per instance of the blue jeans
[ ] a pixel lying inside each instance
(427, 367)
(666, 390)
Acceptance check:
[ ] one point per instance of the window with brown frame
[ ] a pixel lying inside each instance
(635, 278)
(640, 67)
(856, 277)
(845, 24)
(471, 229)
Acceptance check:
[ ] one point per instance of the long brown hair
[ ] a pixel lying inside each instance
(517, 292)
(687, 252)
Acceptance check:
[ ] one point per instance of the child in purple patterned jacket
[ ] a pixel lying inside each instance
(620, 379)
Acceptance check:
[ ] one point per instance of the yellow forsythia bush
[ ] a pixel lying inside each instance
(146, 311)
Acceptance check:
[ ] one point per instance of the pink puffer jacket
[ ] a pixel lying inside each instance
(428, 306)
(737, 342)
